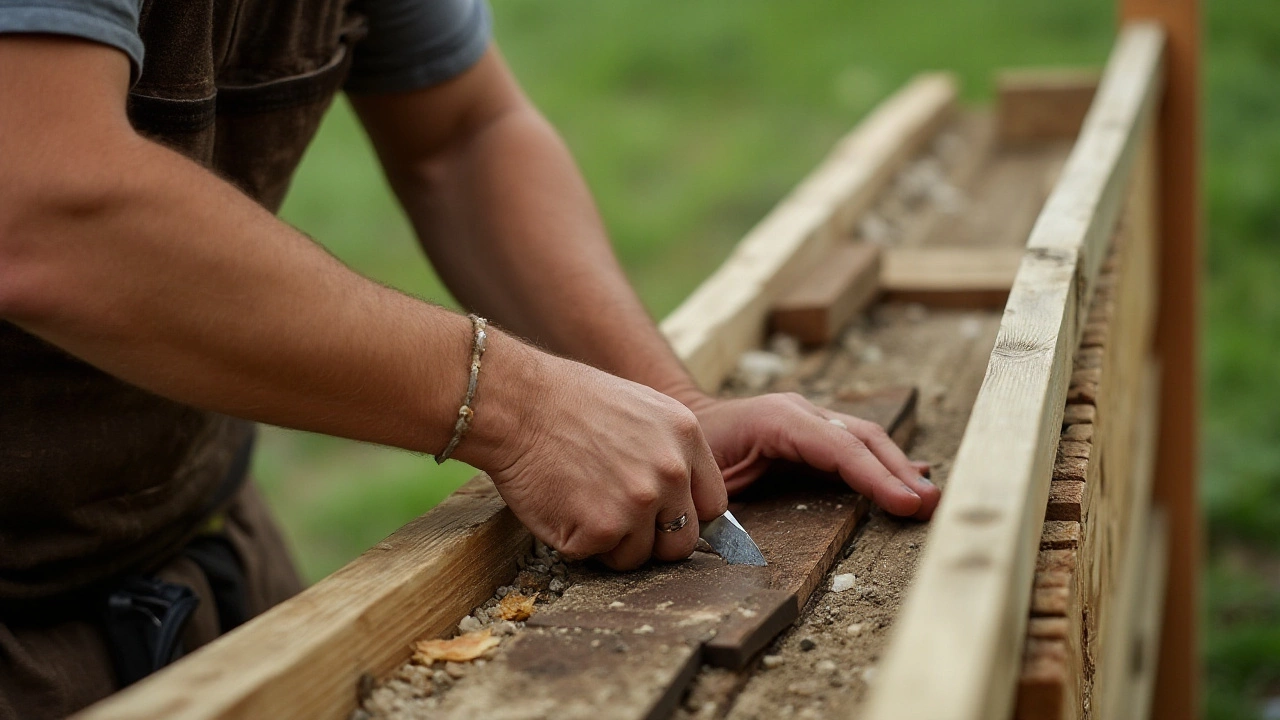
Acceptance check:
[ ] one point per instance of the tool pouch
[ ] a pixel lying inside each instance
(143, 621)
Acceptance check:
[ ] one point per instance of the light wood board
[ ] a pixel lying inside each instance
(961, 629)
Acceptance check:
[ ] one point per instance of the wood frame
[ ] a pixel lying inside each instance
(961, 629)
(304, 658)
(1179, 229)
(726, 315)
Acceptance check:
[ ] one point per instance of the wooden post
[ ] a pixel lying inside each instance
(1177, 695)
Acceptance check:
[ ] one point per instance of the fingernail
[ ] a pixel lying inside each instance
(924, 480)
(838, 423)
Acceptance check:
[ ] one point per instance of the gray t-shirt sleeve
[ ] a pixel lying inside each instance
(417, 43)
(411, 43)
(111, 22)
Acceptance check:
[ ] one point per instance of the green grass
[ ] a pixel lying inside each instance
(691, 119)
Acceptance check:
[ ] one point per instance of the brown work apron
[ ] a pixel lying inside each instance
(100, 479)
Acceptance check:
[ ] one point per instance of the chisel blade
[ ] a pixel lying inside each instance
(730, 541)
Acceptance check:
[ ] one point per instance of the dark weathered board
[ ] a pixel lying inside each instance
(818, 305)
(627, 645)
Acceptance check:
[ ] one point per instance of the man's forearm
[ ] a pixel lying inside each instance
(511, 228)
(146, 265)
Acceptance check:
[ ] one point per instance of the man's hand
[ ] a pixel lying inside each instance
(599, 461)
(746, 434)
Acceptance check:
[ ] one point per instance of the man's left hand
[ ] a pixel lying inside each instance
(746, 434)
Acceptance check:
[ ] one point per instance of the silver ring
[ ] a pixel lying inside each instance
(674, 525)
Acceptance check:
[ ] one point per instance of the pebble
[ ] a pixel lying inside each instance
(808, 644)
(643, 630)
(441, 678)
(825, 666)
(854, 629)
(868, 675)
(558, 586)
(842, 582)
(455, 670)
(871, 354)
(757, 367)
(802, 506)
(771, 661)
(970, 328)
(469, 624)
(617, 604)
(504, 628)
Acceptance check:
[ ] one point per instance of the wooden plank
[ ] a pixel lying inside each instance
(822, 301)
(726, 314)
(1038, 104)
(950, 276)
(962, 627)
(702, 609)
(1130, 628)
(1179, 226)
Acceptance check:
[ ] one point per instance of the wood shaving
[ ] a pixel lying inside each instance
(517, 607)
(463, 648)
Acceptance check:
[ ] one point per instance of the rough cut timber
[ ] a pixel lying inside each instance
(726, 315)
(961, 630)
(821, 302)
(1039, 104)
(575, 664)
(955, 277)
(303, 658)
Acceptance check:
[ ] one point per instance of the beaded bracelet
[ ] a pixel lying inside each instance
(465, 413)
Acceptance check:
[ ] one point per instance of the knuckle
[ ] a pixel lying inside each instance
(643, 494)
(672, 470)
(794, 397)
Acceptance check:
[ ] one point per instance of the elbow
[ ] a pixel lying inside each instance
(48, 218)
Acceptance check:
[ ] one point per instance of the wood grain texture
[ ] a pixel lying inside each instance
(820, 303)
(1038, 104)
(1179, 227)
(726, 314)
(962, 627)
(950, 276)
(700, 610)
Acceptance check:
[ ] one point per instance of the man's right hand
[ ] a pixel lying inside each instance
(596, 462)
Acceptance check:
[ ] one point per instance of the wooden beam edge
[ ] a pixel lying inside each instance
(961, 628)
(726, 314)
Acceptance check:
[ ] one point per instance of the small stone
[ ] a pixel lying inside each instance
(871, 354)
(621, 647)
(770, 662)
(441, 678)
(643, 630)
(868, 675)
(756, 368)
(595, 643)
(802, 506)
(504, 628)
(617, 604)
(469, 624)
(455, 670)
(854, 629)
(557, 585)
(970, 328)
(842, 582)
(808, 644)
(825, 666)
(913, 545)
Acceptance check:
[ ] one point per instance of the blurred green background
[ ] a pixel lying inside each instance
(691, 119)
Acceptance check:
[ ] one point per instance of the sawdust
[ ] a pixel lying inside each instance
(416, 688)
(517, 607)
(464, 648)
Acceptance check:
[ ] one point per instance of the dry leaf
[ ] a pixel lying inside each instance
(463, 648)
(516, 606)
